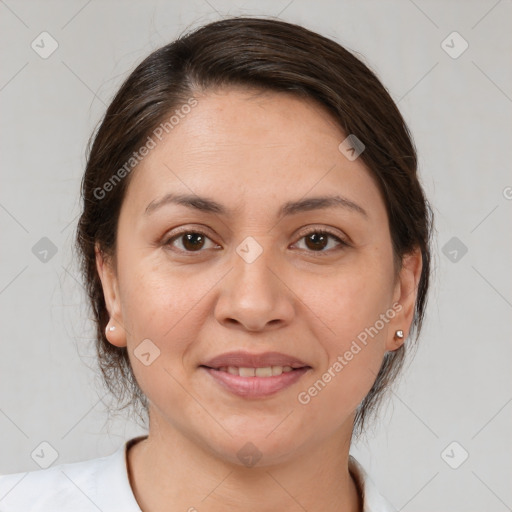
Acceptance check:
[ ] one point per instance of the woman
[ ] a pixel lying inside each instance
(255, 243)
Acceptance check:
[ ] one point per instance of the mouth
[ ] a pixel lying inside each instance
(265, 371)
(255, 375)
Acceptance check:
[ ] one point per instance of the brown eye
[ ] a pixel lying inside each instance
(193, 241)
(318, 241)
(189, 241)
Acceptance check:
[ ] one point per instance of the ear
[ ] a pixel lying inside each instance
(114, 332)
(404, 298)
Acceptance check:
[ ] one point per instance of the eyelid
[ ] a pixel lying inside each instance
(326, 230)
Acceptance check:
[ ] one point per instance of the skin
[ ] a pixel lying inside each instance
(252, 153)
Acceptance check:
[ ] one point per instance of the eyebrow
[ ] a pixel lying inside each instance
(207, 205)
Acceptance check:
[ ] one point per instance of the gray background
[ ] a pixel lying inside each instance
(458, 387)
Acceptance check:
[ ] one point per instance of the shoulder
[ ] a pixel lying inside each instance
(90, 485)
(53, 488)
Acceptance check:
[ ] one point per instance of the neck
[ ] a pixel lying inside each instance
(172, 469)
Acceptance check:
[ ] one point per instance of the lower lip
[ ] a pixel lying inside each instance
(256, 387)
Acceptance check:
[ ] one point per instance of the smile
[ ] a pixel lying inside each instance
(254, 383)
(267, 371)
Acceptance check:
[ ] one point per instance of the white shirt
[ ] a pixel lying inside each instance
(103, 485)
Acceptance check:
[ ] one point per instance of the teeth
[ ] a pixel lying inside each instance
(267, 371)
(247, 372)
(264, 372)
(277, 370)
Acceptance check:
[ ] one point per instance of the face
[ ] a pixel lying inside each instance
(255, 309)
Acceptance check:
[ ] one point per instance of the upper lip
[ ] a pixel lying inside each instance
(243, 359)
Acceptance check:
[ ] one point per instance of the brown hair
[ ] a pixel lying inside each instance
(269, 55)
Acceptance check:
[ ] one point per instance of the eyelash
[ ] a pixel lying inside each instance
(342, 243)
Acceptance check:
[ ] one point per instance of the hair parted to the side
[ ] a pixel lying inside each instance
(257, 54)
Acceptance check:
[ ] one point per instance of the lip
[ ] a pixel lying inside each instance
(248, 360)
(255, 387)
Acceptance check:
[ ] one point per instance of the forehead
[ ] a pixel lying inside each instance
(239, 144)
(242, 119)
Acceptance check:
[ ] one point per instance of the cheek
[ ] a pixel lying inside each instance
(158, 303)
(354, 353)
(167, 304)
(160, 306)
(351, 300)
(149, 290)
(353, 312)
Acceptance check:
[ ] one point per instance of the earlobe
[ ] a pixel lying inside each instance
(114, 331)
(405, 295)
(398, 340)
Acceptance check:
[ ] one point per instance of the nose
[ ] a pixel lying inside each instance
(255, 296)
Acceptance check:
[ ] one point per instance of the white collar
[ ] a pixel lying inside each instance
(373, 501)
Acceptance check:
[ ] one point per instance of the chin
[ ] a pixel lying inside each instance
(253, 447)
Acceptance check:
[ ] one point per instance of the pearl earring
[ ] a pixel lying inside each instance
(399, 334)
